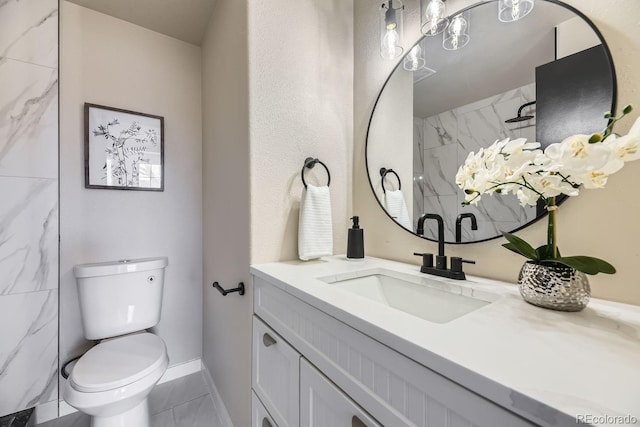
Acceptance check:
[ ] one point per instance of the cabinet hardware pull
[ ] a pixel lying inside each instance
(357, 422)
(266, 422)
(268, 340)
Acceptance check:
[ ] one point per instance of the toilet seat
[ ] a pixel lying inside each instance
(118, 362)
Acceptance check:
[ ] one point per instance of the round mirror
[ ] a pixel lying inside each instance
(543, 77)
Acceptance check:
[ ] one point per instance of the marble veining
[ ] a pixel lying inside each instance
(29, 31)
(28, 120)
(28, 350)
(29, 208)
(28, 235)
(446, 139)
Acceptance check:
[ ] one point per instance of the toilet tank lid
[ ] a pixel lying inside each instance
(119, 267)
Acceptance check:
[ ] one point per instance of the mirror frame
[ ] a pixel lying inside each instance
(562, 198)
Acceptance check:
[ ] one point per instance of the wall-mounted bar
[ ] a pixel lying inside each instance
(309, 163)
(224, 292)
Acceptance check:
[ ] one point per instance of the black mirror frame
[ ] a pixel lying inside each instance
(561, 198)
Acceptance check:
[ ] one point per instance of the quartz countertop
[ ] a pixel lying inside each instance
(550, 367)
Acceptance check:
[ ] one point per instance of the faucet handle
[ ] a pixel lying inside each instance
(427, 259)
(456, 263)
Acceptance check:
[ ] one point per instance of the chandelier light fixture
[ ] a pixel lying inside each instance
(457, 36)
(513, 10)
(391, 29)
(434, 17)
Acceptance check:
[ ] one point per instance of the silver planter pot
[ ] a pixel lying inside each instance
(556, 287)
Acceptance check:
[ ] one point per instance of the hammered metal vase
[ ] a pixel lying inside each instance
(556, 287)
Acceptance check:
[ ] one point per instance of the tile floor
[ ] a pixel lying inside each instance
(183, 402)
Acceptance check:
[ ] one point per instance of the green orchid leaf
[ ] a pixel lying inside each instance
(545, 253)
(587, 264)
(518, 245)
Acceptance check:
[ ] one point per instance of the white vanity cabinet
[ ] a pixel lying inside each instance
(322, 404)
(373, 383)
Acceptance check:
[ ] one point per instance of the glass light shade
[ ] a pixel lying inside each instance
(391, 29)
(456, 37)
(434, 17)
(414, 60)
(512, 10)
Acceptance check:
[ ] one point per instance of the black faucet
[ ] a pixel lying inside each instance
(441, 260)
(420, 229)
(474, 224)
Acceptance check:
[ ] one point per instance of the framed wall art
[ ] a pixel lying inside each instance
(123, 150)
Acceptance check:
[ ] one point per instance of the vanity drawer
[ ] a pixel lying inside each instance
(394, 389)
(259, 415)
(276, 374)
(322, 404)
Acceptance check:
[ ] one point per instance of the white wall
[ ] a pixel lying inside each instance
(393, 127)
(301, 105)
(227, 320)
(111, 62)
(592, 224)
(269, 100)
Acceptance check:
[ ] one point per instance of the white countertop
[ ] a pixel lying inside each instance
(532, 360)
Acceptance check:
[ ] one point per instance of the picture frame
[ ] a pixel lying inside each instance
(123, 150)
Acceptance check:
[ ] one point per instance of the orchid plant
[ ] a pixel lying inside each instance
(521, 168)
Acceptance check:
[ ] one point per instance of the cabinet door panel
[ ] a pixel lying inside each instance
(259, 415)
(322, 404)
(276, 374)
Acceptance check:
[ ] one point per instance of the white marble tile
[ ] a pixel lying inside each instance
(28, 350)
(28, 120)
(29, 31)
(446, 207)
(28, 235)
(199, 412)
(440, 167)
(440, 130)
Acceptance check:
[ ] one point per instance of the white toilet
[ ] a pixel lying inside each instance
(118, 301)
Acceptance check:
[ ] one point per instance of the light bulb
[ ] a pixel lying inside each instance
(434, 14)
(389, 43)
(414, 60)
(458, 26)
(457, 36)
(513, 10)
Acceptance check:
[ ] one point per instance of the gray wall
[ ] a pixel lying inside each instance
(28, 203)
(227, 320)
(111, 62)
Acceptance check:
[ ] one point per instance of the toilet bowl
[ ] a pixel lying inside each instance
(111, 382)
(119, 300)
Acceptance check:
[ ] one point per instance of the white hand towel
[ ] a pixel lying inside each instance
(397, 208)
(315, 230)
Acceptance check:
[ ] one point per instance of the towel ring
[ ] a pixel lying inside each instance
(310, 162)
(383, 174)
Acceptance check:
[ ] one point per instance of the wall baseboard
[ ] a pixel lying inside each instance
(221, 409)
(50, 410)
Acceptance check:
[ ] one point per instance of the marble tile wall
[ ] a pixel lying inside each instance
(29, 203)
(445, 141)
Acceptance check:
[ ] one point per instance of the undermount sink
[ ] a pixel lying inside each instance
(422, 297)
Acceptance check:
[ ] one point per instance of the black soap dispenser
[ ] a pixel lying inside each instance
(355, 241)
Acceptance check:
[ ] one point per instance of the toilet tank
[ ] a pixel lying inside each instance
(120, 297)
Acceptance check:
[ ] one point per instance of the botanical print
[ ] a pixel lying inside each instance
(125, 149)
